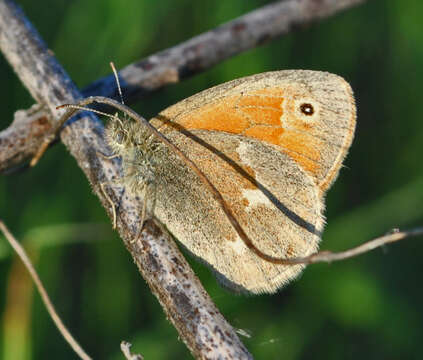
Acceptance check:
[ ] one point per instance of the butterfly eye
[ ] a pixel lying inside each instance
(307, 109)
(119, 137)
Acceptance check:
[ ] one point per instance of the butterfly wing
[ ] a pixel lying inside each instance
(308, 115)
(272, 144)
(274, 200)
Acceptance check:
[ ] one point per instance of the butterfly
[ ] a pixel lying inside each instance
(271, 145)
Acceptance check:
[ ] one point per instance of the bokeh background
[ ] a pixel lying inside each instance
(368, 307)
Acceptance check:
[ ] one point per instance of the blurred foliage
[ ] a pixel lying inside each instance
(367, 307)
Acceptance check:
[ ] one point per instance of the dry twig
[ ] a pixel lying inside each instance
(126, 350)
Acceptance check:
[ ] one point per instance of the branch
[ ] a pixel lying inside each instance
(329, 256)
(185, 302)
(200, 53)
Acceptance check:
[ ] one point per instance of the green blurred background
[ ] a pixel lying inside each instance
(368, 307)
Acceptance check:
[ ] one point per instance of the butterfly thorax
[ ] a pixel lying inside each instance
(138, 149)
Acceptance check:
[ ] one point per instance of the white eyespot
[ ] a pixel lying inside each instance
(307, 109)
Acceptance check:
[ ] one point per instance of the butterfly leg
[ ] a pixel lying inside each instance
(143, 212)
(103, 190)
(112, 204)
(144, 207)
(42, 149)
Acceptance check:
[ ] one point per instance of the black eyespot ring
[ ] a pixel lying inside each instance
(307, 109)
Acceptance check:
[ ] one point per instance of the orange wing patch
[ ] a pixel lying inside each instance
(217, 116)
(236, 114)
(271, 99)
(258, 115)
(268, 134)
(262, 107)
(262, 115)
(303, 148)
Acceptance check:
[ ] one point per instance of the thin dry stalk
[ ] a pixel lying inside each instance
(43, 293)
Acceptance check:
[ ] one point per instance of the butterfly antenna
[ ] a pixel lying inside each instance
(115, 73)
(77, 107)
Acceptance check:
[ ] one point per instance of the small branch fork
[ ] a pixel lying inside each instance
(126, 350)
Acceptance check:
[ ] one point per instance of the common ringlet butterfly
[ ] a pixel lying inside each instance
(272, 144)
